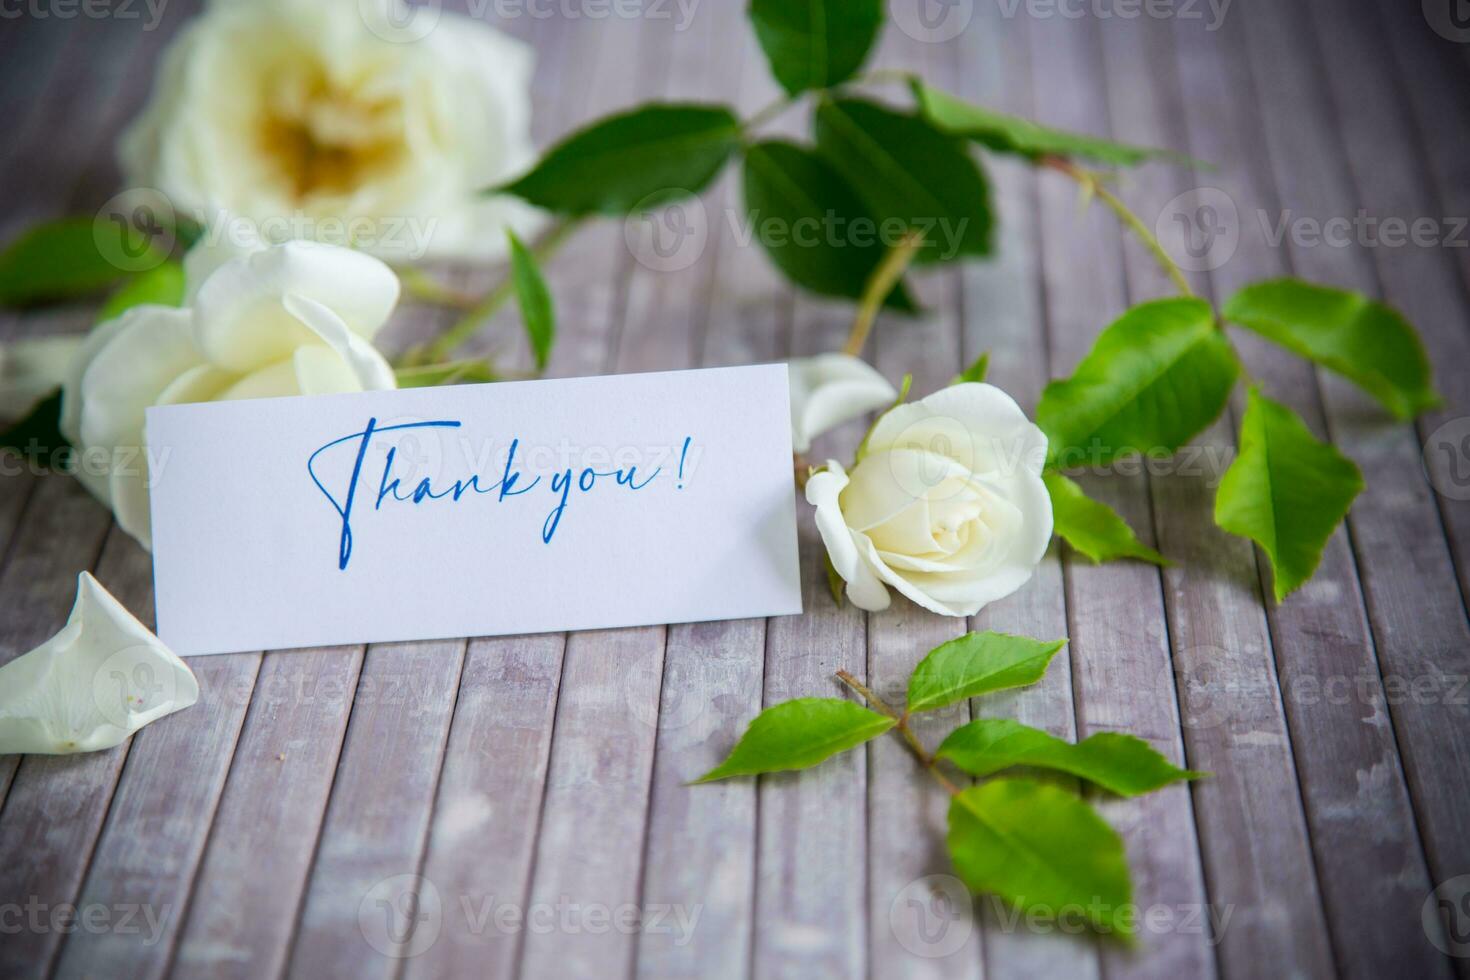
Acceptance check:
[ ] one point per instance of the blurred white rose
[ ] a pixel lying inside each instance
(292, 319)
(103, 677)
(830, 389)
(299, 117)
(947, 505)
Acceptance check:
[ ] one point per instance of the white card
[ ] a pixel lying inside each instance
(473, 510)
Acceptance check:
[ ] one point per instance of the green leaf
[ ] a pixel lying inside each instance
(534, 299)
(642, 158)
(815, 43)
(1156, 377)
(976, 372)
(1286, 491)
(906, 171)
(477, 370)
(162, 285)
(798, 734)
(1118, 763)
(1011, 134)
(38, 434)
(1366, 342)
(1042, 849)
(60, 260)
(802, 213)
(1092, 528)
(975, 664)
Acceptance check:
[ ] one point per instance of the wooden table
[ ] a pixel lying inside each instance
(532, 789)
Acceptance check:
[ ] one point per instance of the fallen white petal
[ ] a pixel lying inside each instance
(103, 677)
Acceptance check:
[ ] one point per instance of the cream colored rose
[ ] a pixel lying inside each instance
(830, 389)
(314, 119)
(291, 319)
(103, 677)
(947, 504)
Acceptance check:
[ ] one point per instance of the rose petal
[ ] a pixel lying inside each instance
(978, 425)
(830, 389)
(843, 545)
(104, 676)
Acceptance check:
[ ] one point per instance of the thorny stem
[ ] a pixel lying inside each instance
(902, 728)
(879, 285)
(468, 325)
(1092, 185)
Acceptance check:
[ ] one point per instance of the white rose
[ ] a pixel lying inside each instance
(292, 319)
(947, 506)
(92, 685)
(830, 389)
(299, 117)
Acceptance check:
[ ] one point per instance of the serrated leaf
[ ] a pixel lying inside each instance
(1286, 490)
(162, 285)
(815, 43)
(1154, 379)
(796, 203)
(798, 734)
(37, 435)
(645, 157)
(1365, 341)
(534, 299)
(1118, 763)
(1093, 528)
(1043, 849)
(975, 664)
(1022, 137)
(975, 372)
(61, 260)
(907, 171)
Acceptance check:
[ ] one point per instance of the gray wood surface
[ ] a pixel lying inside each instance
(525, 798)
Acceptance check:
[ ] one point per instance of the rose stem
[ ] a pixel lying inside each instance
(910, 739)
(879, 285)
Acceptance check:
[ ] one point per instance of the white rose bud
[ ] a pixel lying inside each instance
(339, 120)
(830, 389)
(947, 505)
(293, 319)
(103, 677)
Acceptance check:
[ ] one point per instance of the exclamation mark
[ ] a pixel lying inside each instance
(683, 454)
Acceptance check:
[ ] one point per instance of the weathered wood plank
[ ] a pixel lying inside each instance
(699, 855)
(1120, 643)
(1002, 314)
(594, 817)
(365, 892)
(1252, 828)
(1369, 859)
(1414, 606)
